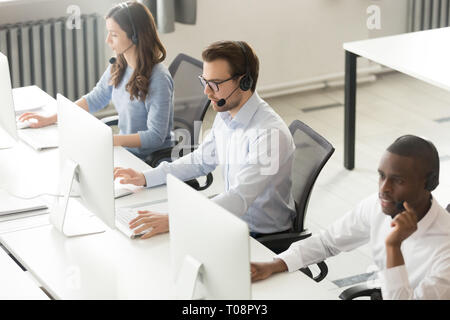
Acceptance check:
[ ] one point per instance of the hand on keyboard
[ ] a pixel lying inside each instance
(151, 223)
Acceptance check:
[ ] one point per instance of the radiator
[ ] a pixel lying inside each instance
(57, 59)
(428, 14)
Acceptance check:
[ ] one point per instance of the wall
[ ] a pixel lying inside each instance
(299, 42)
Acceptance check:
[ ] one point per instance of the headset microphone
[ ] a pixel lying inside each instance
(400, 208)
(114, 59)
(222, 101)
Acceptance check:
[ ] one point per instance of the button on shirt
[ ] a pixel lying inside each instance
(426, 272)
(255, 150)
(152, 118)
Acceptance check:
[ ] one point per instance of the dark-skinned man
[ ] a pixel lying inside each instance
(410, 244)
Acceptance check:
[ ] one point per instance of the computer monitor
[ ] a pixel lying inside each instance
(209, 247)
(86, 162)
(8, 129)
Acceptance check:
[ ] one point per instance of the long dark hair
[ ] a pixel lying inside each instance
(150, 49)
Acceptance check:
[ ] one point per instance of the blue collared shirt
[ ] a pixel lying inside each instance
(152, 119)
(255, 150)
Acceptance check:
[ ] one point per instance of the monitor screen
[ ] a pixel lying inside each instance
(7, 113)
(86, 163)
(203, 233)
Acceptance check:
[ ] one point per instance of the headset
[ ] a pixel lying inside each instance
(432, 180)
(246, 81)
(134, 37)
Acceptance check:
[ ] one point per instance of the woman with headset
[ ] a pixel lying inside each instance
(138, 84)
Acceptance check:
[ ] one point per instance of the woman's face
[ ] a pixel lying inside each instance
(117, 38)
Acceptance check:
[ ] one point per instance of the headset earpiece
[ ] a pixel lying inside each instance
(246, 81)
(134, 37)
(431, 182)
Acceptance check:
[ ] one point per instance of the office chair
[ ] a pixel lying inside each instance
(312, 151)
(365, 290)
(190, 106)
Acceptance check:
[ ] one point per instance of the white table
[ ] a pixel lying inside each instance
(15, 284)
(423, 55)
(109, 265)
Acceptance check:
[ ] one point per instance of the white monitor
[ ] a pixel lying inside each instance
(209, 247)
(87, 162)
(8, 129)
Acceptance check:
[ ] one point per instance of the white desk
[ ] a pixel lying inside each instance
(15, 284)
(423, 55)
(109, 265)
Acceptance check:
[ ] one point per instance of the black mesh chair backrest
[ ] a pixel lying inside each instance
(190, 103)
(312, 151)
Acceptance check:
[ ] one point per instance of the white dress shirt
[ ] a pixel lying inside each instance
(255, 149)
(426, 273)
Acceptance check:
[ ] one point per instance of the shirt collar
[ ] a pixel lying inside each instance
(424, 223)
(244, 115)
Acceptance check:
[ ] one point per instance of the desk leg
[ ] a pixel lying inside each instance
(350, 110)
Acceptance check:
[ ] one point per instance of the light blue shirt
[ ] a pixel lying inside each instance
(256, 151)
(152, 119)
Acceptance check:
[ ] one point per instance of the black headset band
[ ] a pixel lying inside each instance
(134, 36)
(246, 82)
(244, 52)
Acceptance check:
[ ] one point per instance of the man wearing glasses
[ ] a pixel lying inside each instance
(248, 139)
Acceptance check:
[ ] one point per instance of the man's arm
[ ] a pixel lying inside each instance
(198, 163)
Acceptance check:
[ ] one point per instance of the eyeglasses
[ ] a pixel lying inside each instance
(213, 85)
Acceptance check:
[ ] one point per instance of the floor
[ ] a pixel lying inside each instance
(387, 108)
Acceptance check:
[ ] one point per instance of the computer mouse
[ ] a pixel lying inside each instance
(25, 124)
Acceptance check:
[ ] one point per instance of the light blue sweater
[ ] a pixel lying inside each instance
(151, 119)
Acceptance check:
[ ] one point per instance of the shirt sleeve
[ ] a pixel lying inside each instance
(395, 283)
(347, 233)
(269, 151)
(159, 106)
(100, 96)
(198, 163)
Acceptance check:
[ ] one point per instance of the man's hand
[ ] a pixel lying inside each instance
(129, 176)
(39, 121)
(159, 223)
(263, 270)
(403, 225)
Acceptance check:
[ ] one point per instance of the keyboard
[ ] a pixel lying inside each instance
(122, 190)
(123, 217)
(41, 138)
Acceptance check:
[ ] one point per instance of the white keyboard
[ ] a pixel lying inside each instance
(123, 217)
(41, 138)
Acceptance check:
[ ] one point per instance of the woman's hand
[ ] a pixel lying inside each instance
(36, 120)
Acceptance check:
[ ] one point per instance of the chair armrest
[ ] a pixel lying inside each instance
(362, 290)
(111, 121)
(156, 157)
(322, 274)
(209, 181)
(281, 242)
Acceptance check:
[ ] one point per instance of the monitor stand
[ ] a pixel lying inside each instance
(71, 218)
(6, 141)
(188, 286)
